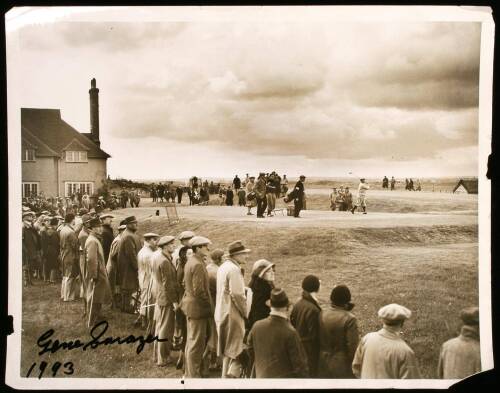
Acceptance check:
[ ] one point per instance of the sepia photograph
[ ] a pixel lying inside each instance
(219, 196)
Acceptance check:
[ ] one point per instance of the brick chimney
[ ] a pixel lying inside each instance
(94, 112)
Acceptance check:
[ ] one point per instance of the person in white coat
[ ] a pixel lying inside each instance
(362, 189)
(145, 272)
(231, 306)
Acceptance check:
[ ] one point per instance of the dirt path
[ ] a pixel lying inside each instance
(309, 218)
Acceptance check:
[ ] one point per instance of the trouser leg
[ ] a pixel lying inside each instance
(197, 330)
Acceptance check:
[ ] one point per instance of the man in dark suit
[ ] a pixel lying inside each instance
(167, 299)
(299, 196)
(129, 247)
(275, 345)
(198, 306)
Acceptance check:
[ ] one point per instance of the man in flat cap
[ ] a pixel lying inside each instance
(197, 305)
(98, 292)
(384, 354)
(107, 234)
(460, 357)
(69, 259)
(112, 266)
(361, 201)
(145, 271)
(275, 345)
(231, 305)
(167, 299)
(82, 239)
(298, 200)
(31, 246)
(180, 323)
(129, 247)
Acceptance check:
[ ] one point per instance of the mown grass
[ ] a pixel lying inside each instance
(431, 270)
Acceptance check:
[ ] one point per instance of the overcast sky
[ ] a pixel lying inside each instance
(216, 99)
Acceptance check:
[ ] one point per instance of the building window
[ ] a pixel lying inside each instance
(30, 189)
(76, 156)
(72, 188)
(29, 155)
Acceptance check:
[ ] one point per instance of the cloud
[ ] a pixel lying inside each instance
(309, 91)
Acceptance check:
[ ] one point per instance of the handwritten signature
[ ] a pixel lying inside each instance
(53, 345)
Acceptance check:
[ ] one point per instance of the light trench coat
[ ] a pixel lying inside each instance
(144, 263)
(384, 355)
(230, 309)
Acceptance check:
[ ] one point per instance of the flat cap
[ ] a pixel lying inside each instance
(28, 213)
(26, 208)
(166, 240)
(107, 215)
(394, 312)
(186, 235)
(149, 235)
(199, 241)
(82, 211)
(470, 315)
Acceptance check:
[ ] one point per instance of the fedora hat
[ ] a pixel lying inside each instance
(236, 248)
(278, 299)
(130, 220)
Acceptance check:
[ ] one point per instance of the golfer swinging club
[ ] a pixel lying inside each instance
(362, 189)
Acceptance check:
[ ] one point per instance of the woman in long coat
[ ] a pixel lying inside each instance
(50, 251)
(338, 336)
(261, 284)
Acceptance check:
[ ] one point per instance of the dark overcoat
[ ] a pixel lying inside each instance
(127, 272)
(276, 349)
(338, 338)
(305, 318)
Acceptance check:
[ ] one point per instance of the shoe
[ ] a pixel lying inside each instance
(365, 213)
(352, 211)
(249, 214)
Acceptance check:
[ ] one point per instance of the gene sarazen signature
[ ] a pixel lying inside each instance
(48, 344)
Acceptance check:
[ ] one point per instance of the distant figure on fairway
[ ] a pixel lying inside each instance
(299, 196)
(385, 182)
(393, 183)
(460, 357)
(237, 183)
(362, 188)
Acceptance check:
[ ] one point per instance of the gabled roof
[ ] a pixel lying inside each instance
(31, 141)
(75, 145)
(471, 185)
(48, 127)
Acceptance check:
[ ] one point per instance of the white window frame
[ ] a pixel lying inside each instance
(76, 156)
(30, 184)
(26, 155)
(76, 186)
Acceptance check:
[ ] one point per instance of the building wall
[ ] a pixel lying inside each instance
(92, 171)
(44, 171)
